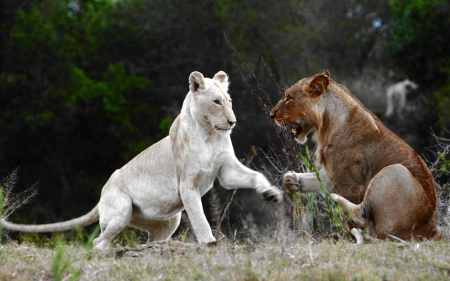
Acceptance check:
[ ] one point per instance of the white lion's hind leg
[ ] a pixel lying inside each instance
(101, 243)
(109, 231)
(115, 214)
(162, 230)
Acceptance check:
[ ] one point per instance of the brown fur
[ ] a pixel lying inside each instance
(378, 177)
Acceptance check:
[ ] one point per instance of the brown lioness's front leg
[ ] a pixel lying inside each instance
(303, 182)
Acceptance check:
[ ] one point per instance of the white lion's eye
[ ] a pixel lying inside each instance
(217, 102)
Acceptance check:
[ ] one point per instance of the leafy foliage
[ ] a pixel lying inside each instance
(419, 49)
(324, 206)
(66, 99)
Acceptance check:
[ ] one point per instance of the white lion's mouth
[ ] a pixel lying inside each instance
(221, 129)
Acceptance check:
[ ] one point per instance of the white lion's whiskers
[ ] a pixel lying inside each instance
(221, 126)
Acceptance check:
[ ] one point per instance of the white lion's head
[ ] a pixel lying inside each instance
(210, 103)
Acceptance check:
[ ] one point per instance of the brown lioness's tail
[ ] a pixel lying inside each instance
(84, 220)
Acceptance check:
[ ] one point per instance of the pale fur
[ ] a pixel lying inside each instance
(396, 97)
(376, 177)
(152, 190)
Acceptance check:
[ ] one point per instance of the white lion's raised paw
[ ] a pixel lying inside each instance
(273, 195)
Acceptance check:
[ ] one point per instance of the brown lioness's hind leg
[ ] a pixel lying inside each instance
(396, 204)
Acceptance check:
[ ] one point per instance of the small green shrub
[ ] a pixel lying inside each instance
(327, 206)
(84, 239)
(60, 264)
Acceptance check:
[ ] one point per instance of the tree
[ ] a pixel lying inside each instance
(66, 105)
(420, 50)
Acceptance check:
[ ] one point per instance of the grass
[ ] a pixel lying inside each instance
(291, 258)
(298, 254)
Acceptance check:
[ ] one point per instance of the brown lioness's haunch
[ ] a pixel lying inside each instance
(152, 190)
(373, 174)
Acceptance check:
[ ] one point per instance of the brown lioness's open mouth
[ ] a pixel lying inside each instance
(296, 129)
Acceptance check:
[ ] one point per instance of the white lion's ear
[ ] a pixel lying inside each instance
(222, 78)
(196, 81)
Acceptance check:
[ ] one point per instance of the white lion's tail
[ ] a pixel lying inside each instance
(84, 220)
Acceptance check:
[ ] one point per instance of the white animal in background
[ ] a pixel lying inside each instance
(396, 97)
(152, 190)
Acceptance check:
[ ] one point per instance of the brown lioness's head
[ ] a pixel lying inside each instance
(298, 108)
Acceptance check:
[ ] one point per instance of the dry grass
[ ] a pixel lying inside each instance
(294, 255)
(290, 258)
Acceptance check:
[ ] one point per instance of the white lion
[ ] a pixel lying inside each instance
(396, 97)
(151, 190)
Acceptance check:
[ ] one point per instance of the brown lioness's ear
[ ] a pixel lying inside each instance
(318, 85)
(196, 81)
(327, 73)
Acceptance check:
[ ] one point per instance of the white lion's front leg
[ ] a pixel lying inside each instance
(232, 174)
(192, 203)
(302, 182)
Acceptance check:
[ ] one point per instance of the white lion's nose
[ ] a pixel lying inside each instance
(231, 122)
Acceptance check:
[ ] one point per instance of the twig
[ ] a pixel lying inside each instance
(273, 165)
(11, 201)
(219, 221)
(224, 213)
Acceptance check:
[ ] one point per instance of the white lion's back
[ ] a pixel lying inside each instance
(152, 174)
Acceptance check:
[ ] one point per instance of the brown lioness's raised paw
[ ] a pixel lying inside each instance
(291, 182)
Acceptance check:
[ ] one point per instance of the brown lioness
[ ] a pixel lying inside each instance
(373, 174)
